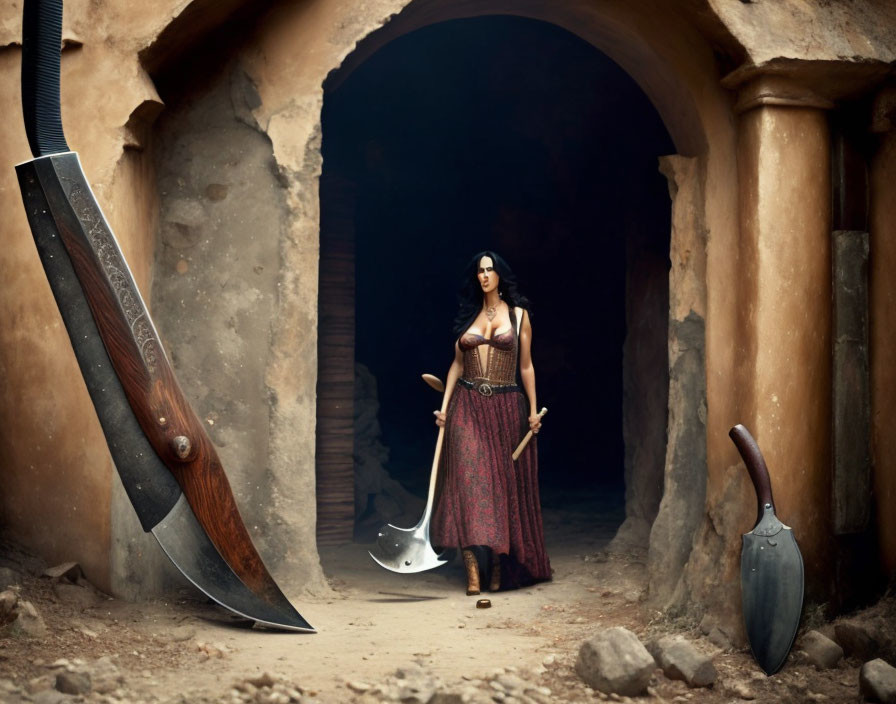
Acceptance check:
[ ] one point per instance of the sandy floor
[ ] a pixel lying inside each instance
(377, 622)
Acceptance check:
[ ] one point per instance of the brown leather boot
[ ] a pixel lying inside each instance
(494, 584)
(472, 566)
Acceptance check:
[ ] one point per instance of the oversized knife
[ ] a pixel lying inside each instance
(167, 463)
(771, 568)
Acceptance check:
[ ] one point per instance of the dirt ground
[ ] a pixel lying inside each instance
(377, 622)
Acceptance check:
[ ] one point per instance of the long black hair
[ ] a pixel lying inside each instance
(470, 295)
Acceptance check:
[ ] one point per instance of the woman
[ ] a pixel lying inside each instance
(486, 499)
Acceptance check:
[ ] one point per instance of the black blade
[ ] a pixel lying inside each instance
(771, 571)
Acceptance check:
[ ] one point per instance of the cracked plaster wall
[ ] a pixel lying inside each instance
(56, 469)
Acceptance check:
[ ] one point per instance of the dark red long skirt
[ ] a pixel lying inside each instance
(485, 498)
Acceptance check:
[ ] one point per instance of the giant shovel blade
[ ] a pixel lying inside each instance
(161, 452)
(408, 550)
(771, 569)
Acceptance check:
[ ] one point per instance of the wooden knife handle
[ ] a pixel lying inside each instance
(752, 457)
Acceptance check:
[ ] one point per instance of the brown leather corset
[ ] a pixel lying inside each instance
(500, 369)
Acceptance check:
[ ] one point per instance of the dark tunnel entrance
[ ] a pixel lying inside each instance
(510, 134)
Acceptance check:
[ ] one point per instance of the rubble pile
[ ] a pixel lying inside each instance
(415, 684)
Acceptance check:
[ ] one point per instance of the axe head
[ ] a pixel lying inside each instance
(406, 550)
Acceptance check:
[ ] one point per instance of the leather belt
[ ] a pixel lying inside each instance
(486, 389)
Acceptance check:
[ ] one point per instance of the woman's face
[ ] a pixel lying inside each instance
(488, 277)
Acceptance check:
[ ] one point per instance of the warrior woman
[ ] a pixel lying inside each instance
(488, 503)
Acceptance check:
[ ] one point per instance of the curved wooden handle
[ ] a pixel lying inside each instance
(525, 441)
(434, 474)
(752, 457)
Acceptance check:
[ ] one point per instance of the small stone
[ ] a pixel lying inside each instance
(263, 680)
(8, 601)
(682, 661)
(446, 698)
(511, 683)
(820, 650)
(67, 570)
(615, 661)
(182, 633)
(84, 630)
(549, 660)
(857, 639)
(741, 690)
(719, 639)
(105, 675)
(877, 681)
(9, 578)
(73, 595)
(39, 684)
(358, 686)
(29, 622)
(73, 682)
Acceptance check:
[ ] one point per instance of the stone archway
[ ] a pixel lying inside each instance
(685, 462)
(634, 380)
(276, 86)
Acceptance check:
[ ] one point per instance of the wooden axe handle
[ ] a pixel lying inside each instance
(522, 446)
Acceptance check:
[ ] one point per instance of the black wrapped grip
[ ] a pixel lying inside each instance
(41, 46)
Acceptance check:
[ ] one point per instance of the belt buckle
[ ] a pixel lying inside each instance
(485, 389)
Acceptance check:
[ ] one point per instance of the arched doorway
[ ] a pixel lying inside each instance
(514, 134)
(274, 87)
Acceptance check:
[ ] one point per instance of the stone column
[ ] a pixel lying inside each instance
(882, 293)
(784, 295)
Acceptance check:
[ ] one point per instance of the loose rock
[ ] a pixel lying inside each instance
(105, 676)
(29, 622)
(616, 662)
(877, 681)
(682, 661)
(67, 570)
(9, 578)
(73, 595)
(8, 601)
(820, 650)
(718, 638)
(857, 639)
(446, 698)
(741, 690)
(73, 682)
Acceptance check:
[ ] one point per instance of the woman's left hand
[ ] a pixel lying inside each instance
(535, 423)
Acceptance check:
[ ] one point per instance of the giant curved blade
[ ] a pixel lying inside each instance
(188, 547)
(136, 354)
(153, 491)
(771, 571)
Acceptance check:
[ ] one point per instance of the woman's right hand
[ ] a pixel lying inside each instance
(440, 418)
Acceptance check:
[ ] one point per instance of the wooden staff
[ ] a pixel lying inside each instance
(522, 446)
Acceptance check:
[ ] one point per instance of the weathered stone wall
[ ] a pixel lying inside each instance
(59, 492)
(684, 488)
(58, 482)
